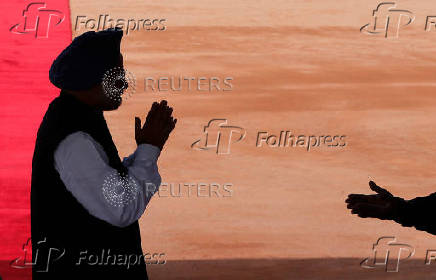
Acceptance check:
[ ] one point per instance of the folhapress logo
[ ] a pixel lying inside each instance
(42, 258)
(37, 19)
(387, 20)
(220, 136)
(388, 253)
(26, 259)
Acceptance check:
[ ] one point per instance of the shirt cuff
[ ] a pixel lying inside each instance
(127, 161)
(147, 152)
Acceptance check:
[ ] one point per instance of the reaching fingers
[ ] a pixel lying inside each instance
(367, 210)
(379, 190)
(356, 198)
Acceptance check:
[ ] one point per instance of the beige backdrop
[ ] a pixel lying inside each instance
(301, 66)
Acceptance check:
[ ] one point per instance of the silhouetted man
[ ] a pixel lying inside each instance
(383, 205)
(85, 201)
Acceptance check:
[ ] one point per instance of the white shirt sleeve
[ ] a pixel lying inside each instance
(84, 168)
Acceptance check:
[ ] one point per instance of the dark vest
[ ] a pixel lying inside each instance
(67, 241)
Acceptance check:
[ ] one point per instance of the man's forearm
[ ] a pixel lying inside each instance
(419, 213)
(83, 167)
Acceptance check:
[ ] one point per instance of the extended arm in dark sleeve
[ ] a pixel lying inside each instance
(419, 212)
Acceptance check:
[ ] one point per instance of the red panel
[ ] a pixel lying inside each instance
(31, 40)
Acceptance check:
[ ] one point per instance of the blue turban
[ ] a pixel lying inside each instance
(83, 63)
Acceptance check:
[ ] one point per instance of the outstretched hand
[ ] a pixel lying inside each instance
(382, 205)
(157, 127)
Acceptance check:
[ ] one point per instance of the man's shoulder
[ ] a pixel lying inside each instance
(78, 136)
(78, 141)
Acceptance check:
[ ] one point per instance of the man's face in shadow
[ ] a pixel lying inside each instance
(112, 99)
(99, 97)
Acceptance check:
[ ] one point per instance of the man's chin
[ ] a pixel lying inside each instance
(113, 105)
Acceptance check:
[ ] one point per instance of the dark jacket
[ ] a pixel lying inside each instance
(66, 239)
